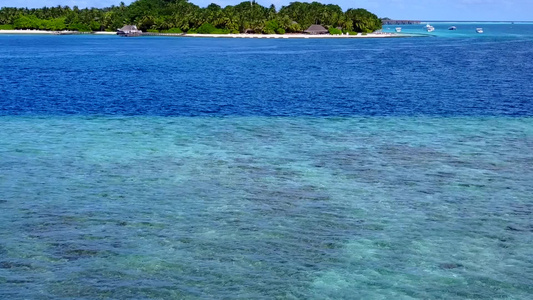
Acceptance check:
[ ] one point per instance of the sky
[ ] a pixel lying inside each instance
(453, 10)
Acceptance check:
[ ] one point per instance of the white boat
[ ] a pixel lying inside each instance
(452, 28)
(398, 29)
(479, 30)
(429, 28)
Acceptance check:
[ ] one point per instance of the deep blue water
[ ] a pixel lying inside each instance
(180, 168)
(87, 75)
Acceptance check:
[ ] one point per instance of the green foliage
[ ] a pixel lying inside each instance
(206, 29)
(182, 16)
(307, 14)
(95, 26)
(172, 30)
(222, 31)
(79, 27)
(152, 30)
(334, 31)
(294, 27)
(27, 22)
(363, 20)
(56, 24)
(271, 27)
(32, 22)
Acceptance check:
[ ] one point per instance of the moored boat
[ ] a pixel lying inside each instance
(452, 28)
(398, 29)
(429, 28)
(479, 30)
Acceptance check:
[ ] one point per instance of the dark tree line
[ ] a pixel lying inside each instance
(183, 16)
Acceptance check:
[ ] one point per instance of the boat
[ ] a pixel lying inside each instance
(452, 28)
(479, 30)
(429, 28)
(398, 29)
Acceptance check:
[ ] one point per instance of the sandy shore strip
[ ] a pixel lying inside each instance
(104, 32)
(297, 36)
(64, 32)
(239, 35)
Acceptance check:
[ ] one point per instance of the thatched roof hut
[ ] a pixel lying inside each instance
(316, 29)
(129, 30)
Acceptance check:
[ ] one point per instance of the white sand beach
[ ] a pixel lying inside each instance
(295, 36)
(64, 32)
(17, 31)
(104, 32)
(240, 35)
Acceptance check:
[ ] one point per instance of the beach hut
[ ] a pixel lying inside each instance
(129, 30)
(316, 29)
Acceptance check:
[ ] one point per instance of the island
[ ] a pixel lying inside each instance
(183, 18)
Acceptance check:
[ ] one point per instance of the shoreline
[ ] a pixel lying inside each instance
(63, 32)
(294, 36)
(239, 35)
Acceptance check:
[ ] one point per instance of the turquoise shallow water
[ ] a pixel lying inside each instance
(467, 30)
(180, 168)
(266, 207)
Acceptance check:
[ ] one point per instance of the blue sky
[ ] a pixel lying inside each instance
(458, 10)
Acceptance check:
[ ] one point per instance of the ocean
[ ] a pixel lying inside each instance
(204, 168)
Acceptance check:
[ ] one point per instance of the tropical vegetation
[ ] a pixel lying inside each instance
(183, 16)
